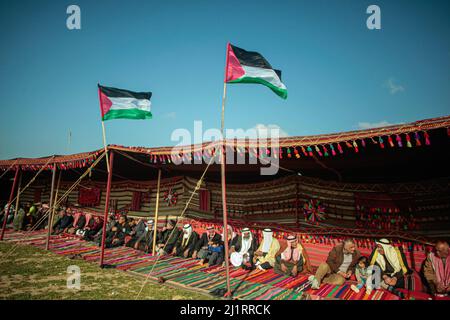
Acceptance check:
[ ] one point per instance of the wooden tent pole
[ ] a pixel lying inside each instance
(297, 200)
(223, 181)
(51, 208)
(105, 215)
(155, 222)
(11, 195)
(52, 191)
(18, 194)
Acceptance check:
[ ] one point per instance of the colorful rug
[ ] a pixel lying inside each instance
(254, 285)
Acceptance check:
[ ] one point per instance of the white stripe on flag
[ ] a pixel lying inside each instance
(266, 74)
(130, 103)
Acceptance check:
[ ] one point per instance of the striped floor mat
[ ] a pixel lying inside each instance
(254, 285)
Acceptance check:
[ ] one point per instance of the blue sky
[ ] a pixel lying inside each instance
(340, 75)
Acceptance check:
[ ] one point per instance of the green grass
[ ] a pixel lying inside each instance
(33, 273)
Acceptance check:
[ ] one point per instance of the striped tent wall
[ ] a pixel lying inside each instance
(269, 202)
(123, 194)
(274, 202)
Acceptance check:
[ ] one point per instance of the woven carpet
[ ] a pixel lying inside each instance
(254, 285)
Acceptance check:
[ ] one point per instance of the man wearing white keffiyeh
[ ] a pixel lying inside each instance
(392, 262)
(265, 255)
(290, 261)
(243, 249)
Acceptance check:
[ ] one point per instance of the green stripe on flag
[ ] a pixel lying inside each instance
(278, 91)
(134, 114)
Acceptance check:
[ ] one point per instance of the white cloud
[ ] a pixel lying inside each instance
(370, 125)
(392, 86)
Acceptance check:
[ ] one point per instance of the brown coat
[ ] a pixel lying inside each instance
(336, 257)
(429, 272)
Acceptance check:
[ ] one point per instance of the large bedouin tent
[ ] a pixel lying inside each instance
(390, 182)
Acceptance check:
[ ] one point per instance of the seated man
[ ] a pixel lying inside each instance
(437, 269)
(18, 219)
(340, 265)
(42, 216)
(243, 249)
(264, 258)
(137, 230)
(64, 222)
(30, 218)
(118, 233)
(186, 244)
(169, 237)
(110, 223)
(214, 254)
(232, 238)
(201, 248)
(393, 265)
(78, 223)
(9, 216)
(290, 261)
(93, 227)
(145, 241)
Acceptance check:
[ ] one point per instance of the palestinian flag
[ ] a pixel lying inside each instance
(251, 67)
(123, 104)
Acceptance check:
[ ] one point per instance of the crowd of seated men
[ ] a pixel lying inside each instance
(29, 216)
(344, 261)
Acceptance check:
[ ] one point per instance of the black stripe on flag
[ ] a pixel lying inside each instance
(122, 93)
(251, 59)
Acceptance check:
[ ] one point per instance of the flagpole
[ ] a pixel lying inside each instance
(104, 145)
(18, 194)
(52, 191)
(51, 211)
(105, 215)
(223, 182)
(155, 222)
(11, 196)
(103, 127)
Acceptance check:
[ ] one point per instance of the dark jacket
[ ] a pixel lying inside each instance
(81, 222)
(122, 231)
(147, 238)
(138, 229)
(169, 239)
(96, 225)
(191, 244)
(203, 241)
(336, 257)
(65, 222)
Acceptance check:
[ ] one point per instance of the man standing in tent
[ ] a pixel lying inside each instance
(265, 255)
(186, 244)
(243, 249)
(340, 265)
(291, 261)
(392, 262)
(437, 269)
